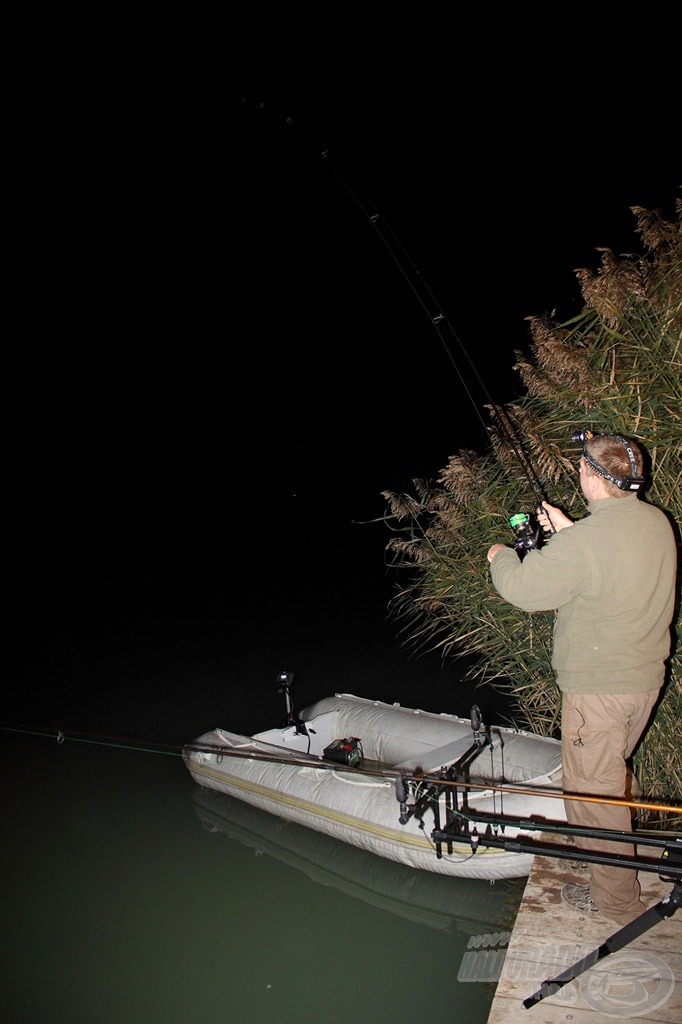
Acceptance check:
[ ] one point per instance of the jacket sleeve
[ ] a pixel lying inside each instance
(547, 578)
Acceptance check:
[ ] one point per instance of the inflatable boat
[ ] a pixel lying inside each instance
(429, 791)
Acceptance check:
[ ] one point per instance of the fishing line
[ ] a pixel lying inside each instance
(117, 742)
(420, 289)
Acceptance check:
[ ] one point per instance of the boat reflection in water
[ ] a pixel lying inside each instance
(466, 905)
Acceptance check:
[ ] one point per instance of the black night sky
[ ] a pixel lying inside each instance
(213, 365)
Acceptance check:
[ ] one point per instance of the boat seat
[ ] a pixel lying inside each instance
(432, 760)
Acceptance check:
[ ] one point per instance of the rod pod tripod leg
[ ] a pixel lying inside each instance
(659, 912)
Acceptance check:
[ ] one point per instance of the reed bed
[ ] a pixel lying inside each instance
(613, 367)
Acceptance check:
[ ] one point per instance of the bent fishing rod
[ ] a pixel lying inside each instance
(528, 532)
(425, 297)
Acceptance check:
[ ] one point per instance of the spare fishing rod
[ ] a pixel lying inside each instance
(526, 529)
(440, 783)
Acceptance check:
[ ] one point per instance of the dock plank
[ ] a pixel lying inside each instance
(641, 982)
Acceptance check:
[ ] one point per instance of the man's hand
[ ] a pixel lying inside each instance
(494, 549)
(551, 518)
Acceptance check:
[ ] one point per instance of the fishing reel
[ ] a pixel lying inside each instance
(527, 531)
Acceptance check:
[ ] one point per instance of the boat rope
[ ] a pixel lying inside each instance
(317, 762)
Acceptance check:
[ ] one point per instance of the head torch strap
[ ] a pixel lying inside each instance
(624, 483)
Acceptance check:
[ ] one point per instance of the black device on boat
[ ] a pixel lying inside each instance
(345, 751)
(284, 684)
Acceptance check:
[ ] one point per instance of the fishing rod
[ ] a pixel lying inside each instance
(525, 528)
(307, 760)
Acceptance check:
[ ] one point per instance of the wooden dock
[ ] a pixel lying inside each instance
(641, 982)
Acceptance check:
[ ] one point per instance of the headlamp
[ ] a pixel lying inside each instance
(624, 483)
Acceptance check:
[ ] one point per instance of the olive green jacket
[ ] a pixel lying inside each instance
(611, 579)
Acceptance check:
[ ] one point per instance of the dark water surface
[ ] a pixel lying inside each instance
(130, 894)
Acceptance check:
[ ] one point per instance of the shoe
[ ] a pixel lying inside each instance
(577, 897)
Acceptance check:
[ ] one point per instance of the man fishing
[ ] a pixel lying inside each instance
(610, 577)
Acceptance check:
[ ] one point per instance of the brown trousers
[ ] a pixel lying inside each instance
(598, 734)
